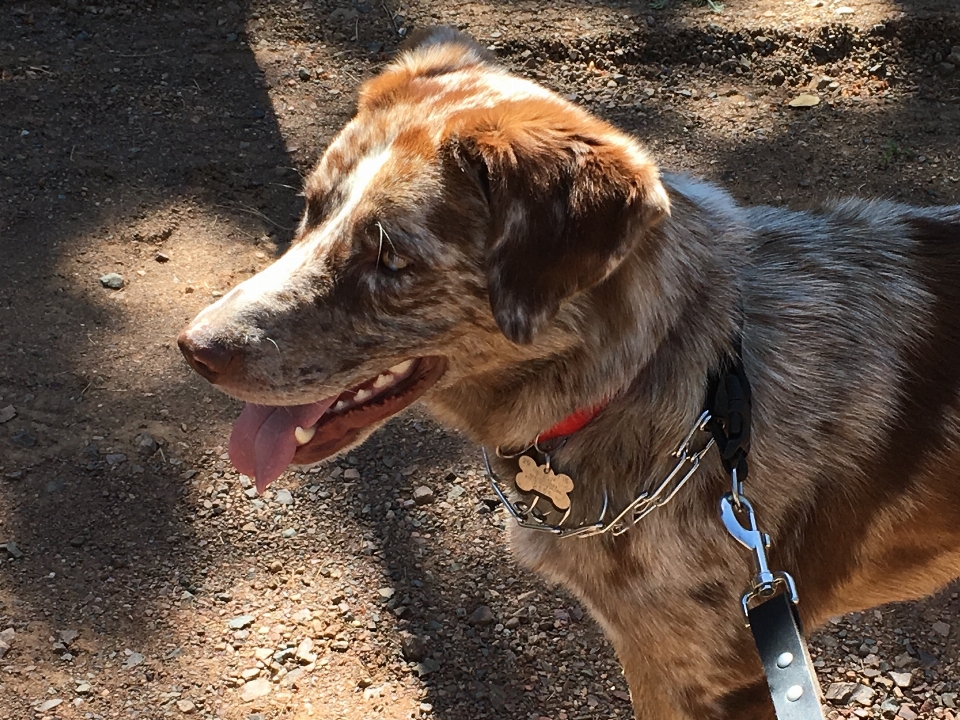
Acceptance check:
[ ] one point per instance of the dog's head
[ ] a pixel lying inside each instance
(445, 227)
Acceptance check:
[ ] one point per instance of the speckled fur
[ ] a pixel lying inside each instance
(492, 186)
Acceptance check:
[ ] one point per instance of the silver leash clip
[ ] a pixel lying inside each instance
(765, 583)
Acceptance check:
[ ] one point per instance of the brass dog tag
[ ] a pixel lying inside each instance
(543, 481)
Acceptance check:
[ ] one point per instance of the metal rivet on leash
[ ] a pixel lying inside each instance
(784, 660)
(794, 693)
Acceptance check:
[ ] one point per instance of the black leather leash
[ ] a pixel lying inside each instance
(770, 602)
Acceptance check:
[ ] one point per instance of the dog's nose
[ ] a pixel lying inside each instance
(211, 360)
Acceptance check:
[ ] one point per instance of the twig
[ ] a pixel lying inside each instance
(393, 22)
(143, 55)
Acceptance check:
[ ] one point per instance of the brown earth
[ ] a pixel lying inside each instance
(165, 142)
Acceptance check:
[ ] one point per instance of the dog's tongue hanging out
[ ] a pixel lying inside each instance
(264, 438)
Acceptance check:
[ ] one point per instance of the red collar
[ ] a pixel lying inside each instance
(573, 422)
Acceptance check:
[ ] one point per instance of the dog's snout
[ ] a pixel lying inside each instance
(212, 360)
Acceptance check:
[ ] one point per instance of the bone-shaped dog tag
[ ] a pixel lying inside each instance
(543, 481)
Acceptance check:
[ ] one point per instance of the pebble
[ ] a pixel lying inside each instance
(23, 439)
(351, 474)
(424, 495)
(68, 636)
(804, 100)
(50, 704)
(251, 673)
(844, 10)
(305, 654)
(6, 640)
(7, 414)
(482, 616)
(906, 713)
(902, 679)
(186, 706)
(161, 257)
(283, 497)
(147, 445)
(240, 622)
(113, 281)
(414, 647)
(941, 628)
(289, 533)
(12, 550)
(133, 659)
(115, 458)
(84, 688)
(303, 73)
(255, 689)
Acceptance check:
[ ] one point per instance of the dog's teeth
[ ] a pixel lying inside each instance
(305, 435)
(402, 368)
(362, 395)
(383, 381)
(340, 406)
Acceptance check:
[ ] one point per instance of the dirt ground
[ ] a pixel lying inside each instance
(164, 142)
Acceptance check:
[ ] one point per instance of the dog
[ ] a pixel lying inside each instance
(474, 241)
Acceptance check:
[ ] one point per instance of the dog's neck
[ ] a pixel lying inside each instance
(651, 331)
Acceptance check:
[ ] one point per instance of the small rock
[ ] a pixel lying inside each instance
(844, 10)
(906, 713)
(427, 666)
(778, 78)
(944, 68)
(78, 541)
(305, 654)
(112, 281)
(250, 673)
(283, 497)
(289, 533)
(84, 688)
(23, 439)
(12, 550)
(482, 616)
(147, 445)
(186, 706)
(240, 622)
(6, 640)
(49, 704)
(340, 646)
(262, 653)
(7, 414)
(424, 495)
(863, 695)
(414, 647)
(115, 458)
(804, 100)
(949, 700)
(941, 628)
(68, 636)
(303, 74)
(386, 592)
(133, 659)
(255, 689)
(889, 708)
(902, 679)
(161, 257)
(844, 692)
(351, 474)
(954, 57)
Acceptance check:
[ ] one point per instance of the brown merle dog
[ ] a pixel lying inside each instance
(475, 241)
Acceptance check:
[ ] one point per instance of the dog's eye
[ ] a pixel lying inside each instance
(393, 262)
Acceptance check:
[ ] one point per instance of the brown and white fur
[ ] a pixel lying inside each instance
(539, 256)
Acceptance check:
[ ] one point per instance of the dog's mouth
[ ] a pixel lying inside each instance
(267, 439)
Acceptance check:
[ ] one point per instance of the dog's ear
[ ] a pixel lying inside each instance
(569, 199)
(426, 53)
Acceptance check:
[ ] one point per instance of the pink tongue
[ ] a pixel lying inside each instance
(263, 443)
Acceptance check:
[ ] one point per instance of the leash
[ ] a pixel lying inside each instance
(770, 601)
